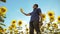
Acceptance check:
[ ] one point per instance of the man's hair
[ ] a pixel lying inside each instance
(36, 5)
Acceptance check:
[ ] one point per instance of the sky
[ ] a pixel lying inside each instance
(13, 9)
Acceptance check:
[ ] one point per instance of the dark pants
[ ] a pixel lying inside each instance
(34, 25)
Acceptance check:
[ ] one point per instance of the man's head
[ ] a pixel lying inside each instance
(35, 6)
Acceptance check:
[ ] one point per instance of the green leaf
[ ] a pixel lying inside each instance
(3, 0)
(1, 28)
(2, 24)
(4, 16)
(1, 19)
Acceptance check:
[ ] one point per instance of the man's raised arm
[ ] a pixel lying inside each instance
(24, 13)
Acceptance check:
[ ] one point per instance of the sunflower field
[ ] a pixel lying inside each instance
(15, 27)
(50, 26)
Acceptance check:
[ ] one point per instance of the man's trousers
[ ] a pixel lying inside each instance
(34, 25)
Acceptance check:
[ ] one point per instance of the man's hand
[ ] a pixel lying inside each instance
(21, 10)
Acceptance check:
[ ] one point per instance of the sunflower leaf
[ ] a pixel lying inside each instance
(3, 0)
(2, 24)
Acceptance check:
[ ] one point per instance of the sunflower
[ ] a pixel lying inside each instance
(52, 19)
(50, 13)
(48, 24)
(55, 25)
(27, 29)
(0, 11)
(13, 26)
(11, 32)
(16, 31)
(43, 17)
(58, 18)
(19, 22)
(1, 30)
(3, 10)
(5, 30)
(10, 28)
(14, 22)
(42, 28)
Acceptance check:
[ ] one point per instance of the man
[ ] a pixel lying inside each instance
(34, 22)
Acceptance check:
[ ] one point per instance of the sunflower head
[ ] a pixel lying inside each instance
(50, 13)
(13, 26)
(48, 24)
(3, 10)
(16, 31)
(51, 19)
(1, 30)
(13, 21)
(55, 25)
(19, 22)
(58, 19)
(5, 30)
(10, 28)
(0, 9)
(43, 17)
(27, 29)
